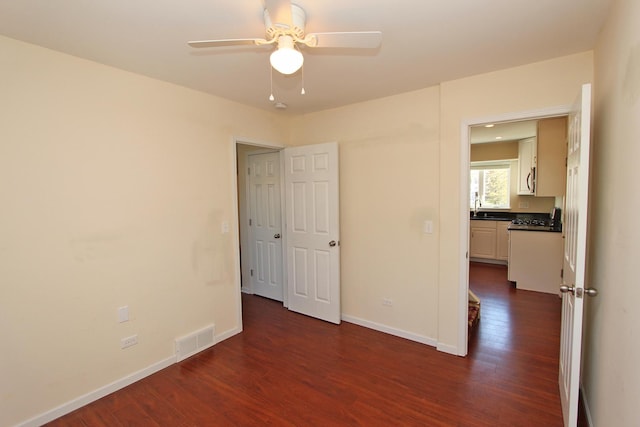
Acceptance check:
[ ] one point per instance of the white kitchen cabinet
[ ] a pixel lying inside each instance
(483, 239)
(535, 260)
(527, 160)
(551, 168)
(502, 240)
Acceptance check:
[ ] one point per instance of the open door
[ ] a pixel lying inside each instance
(313, 236)
(265, 225)
(575, 252)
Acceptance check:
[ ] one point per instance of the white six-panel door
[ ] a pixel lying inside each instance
(313, 239)
(575, 227)
(265, 224)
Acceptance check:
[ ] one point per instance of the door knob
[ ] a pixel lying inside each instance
(332, 243)
(276, 236)
(592, 292)
(567, 289)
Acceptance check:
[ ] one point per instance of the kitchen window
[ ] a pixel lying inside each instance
(489, 185)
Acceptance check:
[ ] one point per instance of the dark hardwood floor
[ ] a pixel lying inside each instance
(288, 369)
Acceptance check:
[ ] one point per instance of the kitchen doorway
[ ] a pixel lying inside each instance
(488, 128)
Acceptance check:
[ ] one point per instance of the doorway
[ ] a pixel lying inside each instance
(259, 201)
(309, 231)
(465, 200)
(264, 231)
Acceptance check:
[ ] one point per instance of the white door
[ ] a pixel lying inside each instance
(575, 227)
(265, 225)
(313, 238)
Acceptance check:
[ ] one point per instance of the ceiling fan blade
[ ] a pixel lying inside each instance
(355, 39)
(279, 12)
(224, 42)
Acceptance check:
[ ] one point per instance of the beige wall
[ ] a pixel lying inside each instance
(493, 151)
(388, 187)
(113, 188)
(611, 376)
(508, 150)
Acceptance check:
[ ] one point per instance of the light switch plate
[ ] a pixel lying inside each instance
(123, 314)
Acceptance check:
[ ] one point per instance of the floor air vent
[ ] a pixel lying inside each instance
(195, 342)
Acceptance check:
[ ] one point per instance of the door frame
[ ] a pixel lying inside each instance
(266, 145)
(465, 164)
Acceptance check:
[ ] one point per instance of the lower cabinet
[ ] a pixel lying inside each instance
(483, 241)
(502, 240)
(489, 240)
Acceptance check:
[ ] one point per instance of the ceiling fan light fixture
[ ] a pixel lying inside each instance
(287, 59)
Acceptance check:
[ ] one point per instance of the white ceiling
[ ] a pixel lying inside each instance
(500, 132)
(424, 42)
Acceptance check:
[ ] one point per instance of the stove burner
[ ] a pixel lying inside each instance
(538, 222)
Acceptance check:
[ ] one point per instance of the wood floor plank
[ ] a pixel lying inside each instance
(289, 369)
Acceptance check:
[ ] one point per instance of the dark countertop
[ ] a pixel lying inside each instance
(504, 216)
(510, 216)
(522, 227)
(490, 218)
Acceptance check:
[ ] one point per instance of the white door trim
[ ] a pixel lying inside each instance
(235, 141)
(465, 163)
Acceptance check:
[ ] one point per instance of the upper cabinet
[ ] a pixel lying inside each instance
(527, 158)
(542, 160)
(552, 157)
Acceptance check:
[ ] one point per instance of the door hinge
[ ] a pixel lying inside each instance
(250, 222)
(562, 273)
(248, 171)
(252, 272)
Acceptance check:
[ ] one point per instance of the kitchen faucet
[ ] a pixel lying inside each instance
(476, 201)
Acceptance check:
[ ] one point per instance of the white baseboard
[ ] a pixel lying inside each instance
(389, 330)
(110, 388)
(97, 394)
(585, 402)
(446, 348)
(227, 334)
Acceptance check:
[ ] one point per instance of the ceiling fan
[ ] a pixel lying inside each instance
(284, 22)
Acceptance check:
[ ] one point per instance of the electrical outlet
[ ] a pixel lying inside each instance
(129, 341)
(387, 302)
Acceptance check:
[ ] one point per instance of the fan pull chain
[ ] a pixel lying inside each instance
(302, 92)
(271, 97)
